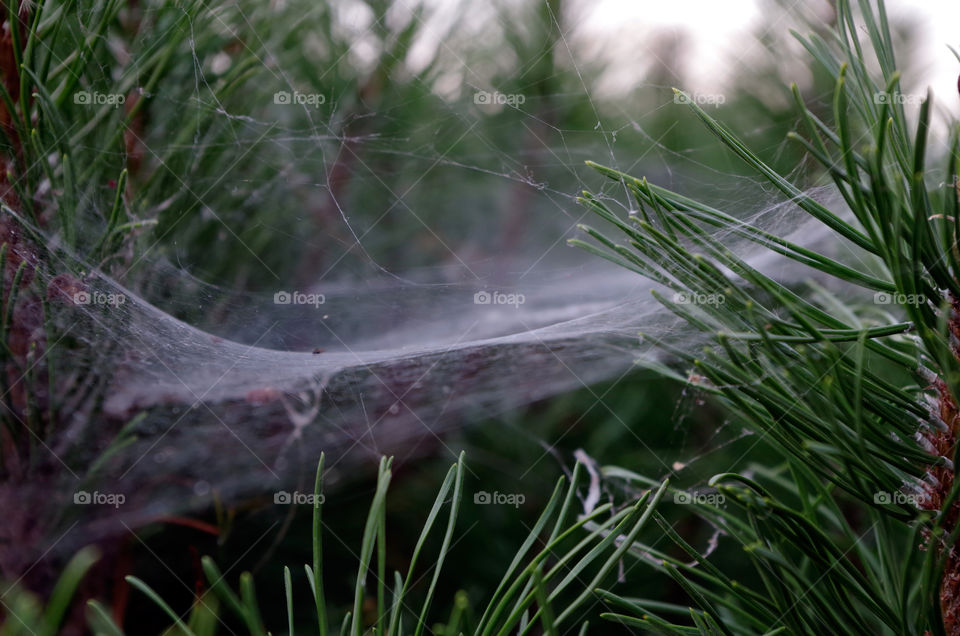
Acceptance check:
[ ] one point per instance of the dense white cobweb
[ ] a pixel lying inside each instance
(185, 392)
(243, 406)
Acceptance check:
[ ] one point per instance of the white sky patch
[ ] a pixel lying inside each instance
(632, 32)
(718, 38)
(940, 20)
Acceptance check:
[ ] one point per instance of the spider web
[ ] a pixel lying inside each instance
(428, 283)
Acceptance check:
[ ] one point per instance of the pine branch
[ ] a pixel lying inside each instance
(843, 397)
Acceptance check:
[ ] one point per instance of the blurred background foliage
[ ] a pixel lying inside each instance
(399, 148)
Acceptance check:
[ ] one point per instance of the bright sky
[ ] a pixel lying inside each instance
(718, 33)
